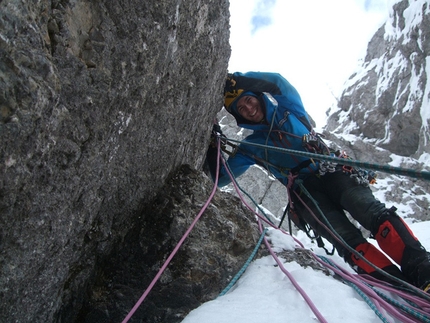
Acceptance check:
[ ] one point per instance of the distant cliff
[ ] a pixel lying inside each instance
(386, 101)
(100, 101)
(383, 115)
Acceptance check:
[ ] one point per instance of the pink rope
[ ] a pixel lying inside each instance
(335, 236)
(160, 272)
(422, 303)
(252, 210)
(312, 306)
(380, 303)
(376, 299)
(275, 257)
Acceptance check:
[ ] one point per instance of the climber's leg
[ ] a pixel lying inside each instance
(397, 240)
(375, 257)
(350, 234)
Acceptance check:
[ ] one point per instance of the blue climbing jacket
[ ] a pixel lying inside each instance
(284, 128)
(258, 82)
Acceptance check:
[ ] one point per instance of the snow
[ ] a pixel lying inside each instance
(425, 159)
(425, 111)
(265, 294)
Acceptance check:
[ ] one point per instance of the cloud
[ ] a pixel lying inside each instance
(373, 5)
(367, 5)
(262, 14)
(315, 44)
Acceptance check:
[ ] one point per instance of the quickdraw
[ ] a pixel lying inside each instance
(233, 148)
(312, 142)
(361, 176)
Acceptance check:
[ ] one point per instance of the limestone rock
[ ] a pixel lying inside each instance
(215, 250)
(99, 101)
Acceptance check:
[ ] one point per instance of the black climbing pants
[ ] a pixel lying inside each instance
(336, 193)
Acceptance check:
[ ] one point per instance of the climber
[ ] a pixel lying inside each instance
(270, 106)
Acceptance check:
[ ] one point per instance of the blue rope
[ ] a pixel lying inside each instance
(344, 161)
(360, 292)
(406, 309)
(421, 317)
(242, 270)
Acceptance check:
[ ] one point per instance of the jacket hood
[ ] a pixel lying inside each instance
(241, 121)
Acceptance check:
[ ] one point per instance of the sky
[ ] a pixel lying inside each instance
(314, 44)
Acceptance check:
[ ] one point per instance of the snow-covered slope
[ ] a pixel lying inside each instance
(265, 294)
(383, 115)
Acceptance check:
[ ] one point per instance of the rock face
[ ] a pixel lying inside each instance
(99, 103)
(216, 249)
(386, 101)
(98, 108)
(383, 112)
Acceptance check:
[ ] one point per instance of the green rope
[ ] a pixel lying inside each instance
(242, 270)
(360, 292)
(406, 309)
(349, 162)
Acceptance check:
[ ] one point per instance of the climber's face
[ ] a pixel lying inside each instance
(249, 108)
